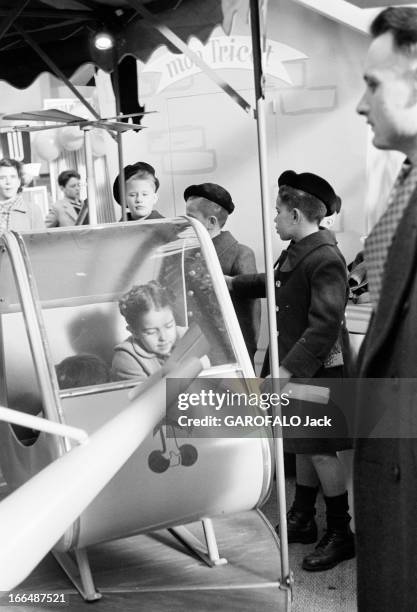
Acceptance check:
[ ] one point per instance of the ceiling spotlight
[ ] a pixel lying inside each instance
(103, 41)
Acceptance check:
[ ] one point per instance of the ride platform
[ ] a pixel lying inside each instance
(156, 572)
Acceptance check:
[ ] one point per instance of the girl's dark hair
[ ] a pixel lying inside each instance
(141, 299)
(311, 207)
(401, 22)
(6, 162)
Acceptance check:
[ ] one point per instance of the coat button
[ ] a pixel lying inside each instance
(278, 284)
(395, 472)
(277, 308)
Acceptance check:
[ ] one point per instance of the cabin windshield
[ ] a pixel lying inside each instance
(80, 274)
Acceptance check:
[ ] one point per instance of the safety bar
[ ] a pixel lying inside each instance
(40, 424)
(33, 518)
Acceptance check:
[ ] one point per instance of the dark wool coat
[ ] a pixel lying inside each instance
(236, 258)
(311, 293)
(385, 469)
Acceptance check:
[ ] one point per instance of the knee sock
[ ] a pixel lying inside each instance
(337, 513)
(305, 499)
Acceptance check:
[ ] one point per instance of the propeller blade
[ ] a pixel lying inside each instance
(130, 115)
(30, 128)
(117, 126)
(52, 114)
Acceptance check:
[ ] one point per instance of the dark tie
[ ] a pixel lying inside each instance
(379, 240)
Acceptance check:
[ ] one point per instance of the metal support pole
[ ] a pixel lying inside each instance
(212, 548)
(270, 280)
(122, 185)
(91, 187)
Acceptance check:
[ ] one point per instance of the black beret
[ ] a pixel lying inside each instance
(211, 192)
(314, 185)
(129, 171)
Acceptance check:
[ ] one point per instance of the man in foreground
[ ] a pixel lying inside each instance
(386, 451)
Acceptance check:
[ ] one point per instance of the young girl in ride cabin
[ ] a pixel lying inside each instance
(154, 332)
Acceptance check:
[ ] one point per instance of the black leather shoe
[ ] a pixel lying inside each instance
(301, 527)
(335, 546)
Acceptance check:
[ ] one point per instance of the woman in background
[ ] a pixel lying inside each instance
(15, 214)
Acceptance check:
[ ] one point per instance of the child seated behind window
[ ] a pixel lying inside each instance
(81, 371)
(141, 185)
(154, 332)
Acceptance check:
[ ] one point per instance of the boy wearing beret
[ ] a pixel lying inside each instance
(141, 186)
(211, 204)
(311, 294)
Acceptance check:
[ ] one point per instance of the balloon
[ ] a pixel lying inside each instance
(46, 145)
(98, 143)
(70, 138)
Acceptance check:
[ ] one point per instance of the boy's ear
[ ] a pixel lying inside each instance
(213, 221)
(156, 198)
(297, 215)
(415, 84)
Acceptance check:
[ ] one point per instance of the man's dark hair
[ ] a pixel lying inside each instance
(66, 175)
(6, 162)
(402, 23)
(312, 208)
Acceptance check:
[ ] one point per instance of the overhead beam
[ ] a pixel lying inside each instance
(51, 26)
(58, 14)
(196, 59)
(11, 17)
(57, 71)
(343, 12)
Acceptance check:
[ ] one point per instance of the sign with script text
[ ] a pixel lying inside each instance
(223, 52)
